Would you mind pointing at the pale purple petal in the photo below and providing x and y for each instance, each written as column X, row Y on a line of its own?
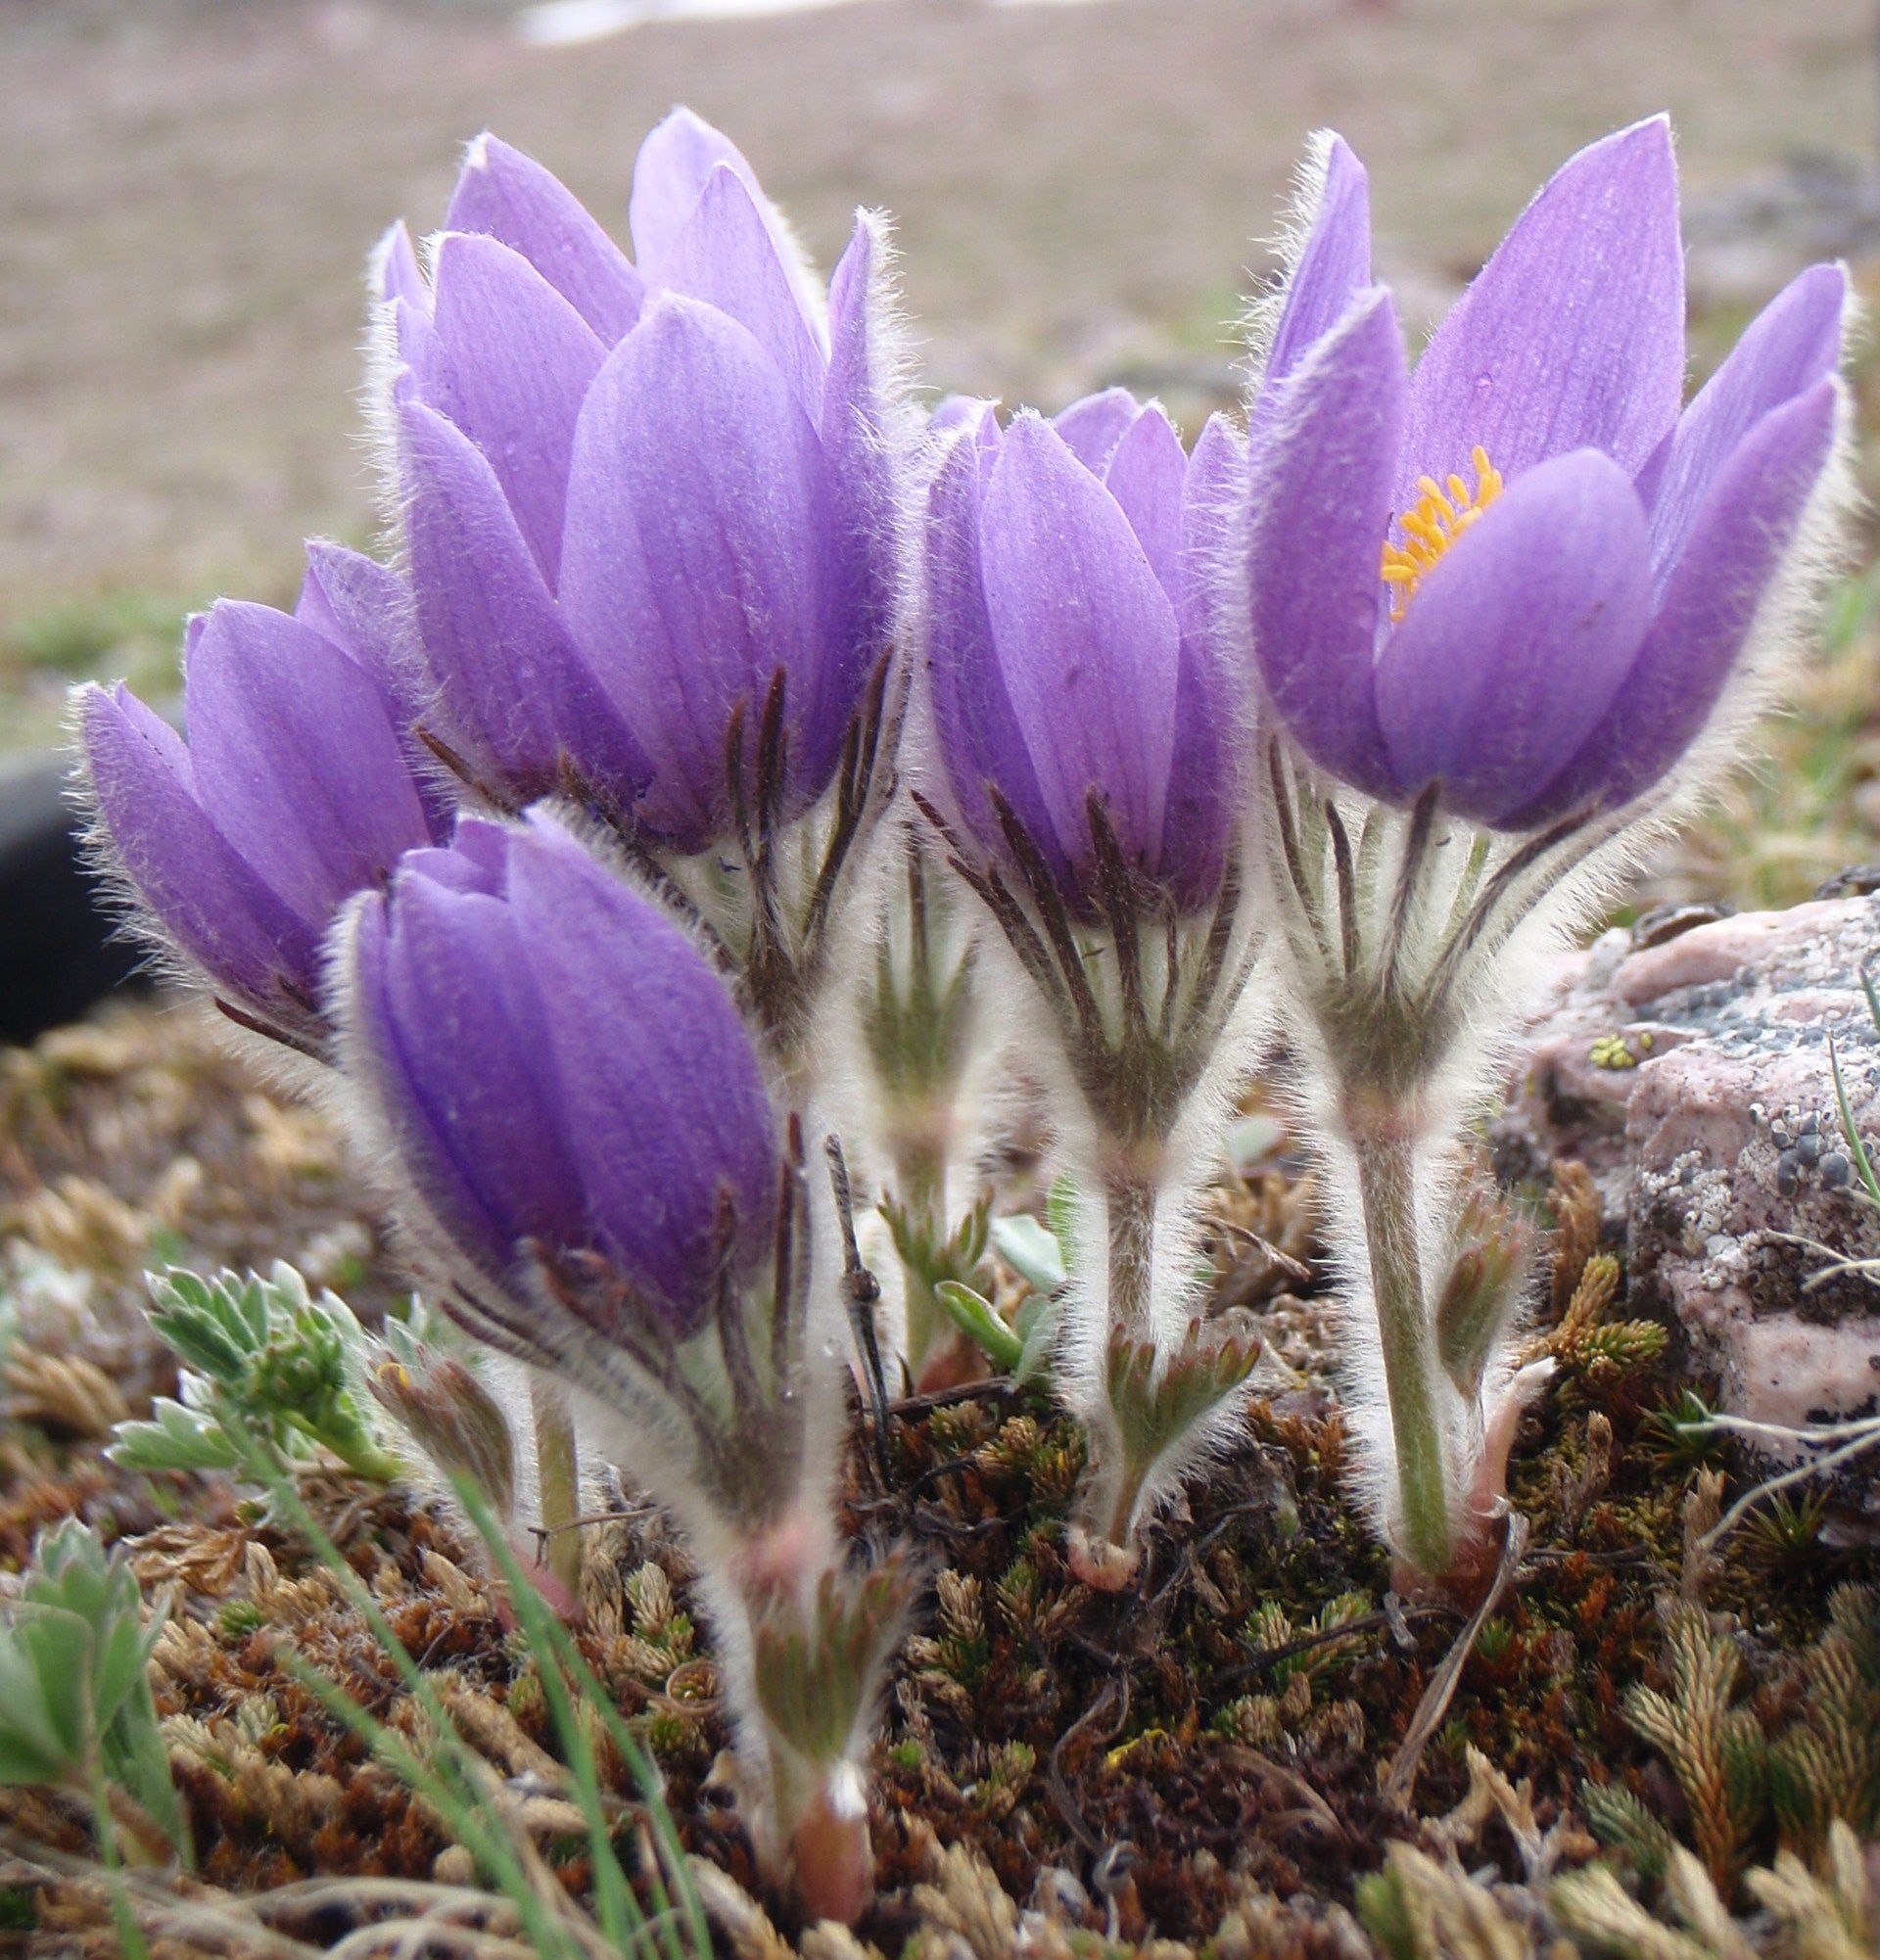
column 211, row 901
column 1735, row 552
column 507, row 196
column 1144, row 475
column 1791, row 344
column 724, row 256
column 427, row 373
column 1087, row 638
column 693, row 567
column 670, row 176
column 513, row 694
column 521, row 361
column 295, row 760
column 454, row 1035
column 863, row 475
column 661, row 1094
column 1215, row 514
column 955, row 411
column 1572, row 337
column 1333, row 265
column 1515, row 646
column 365, row 608
column 1093, row 426
column 395, row 271
column 1211, row 702
column 1321, row 508
column 975, row 725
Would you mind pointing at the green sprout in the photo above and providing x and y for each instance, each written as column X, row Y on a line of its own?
column 262, row 1358
column 1040, row 1255
column 75, row 1707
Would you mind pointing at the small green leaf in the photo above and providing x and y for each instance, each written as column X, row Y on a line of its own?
column 975, row 1315
column 1031, row 1252
column 177, row 1438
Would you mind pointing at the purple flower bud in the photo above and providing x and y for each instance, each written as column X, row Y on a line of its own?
column 1076, row 662
column 1521, row 574
column 634, row 496
column 295, row 790
column 564, row 1083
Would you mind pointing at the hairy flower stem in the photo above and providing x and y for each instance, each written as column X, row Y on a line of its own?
column 1129, row 1204
column 1387, row 1193
column 802, row 1639
column 921, row 1186
column 1405, row 935
column 558, row 1485
column 1103, row 1552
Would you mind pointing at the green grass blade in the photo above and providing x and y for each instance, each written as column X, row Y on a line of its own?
column 495, row 1854
column 1856, row 1144
column 449, row 1793
column 622, row 1922
column 554, row 1641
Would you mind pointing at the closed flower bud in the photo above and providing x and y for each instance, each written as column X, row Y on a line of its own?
column 1086, row 694
column 1079, row 678
column 295, row 787
column 582, row 1144
column 653, row 515
column 565, row 1083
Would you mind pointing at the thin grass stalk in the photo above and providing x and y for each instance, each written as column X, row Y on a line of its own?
column 557, row 1482
column 494, row 1853
column 546, row 1633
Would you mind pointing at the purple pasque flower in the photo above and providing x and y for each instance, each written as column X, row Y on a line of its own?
column 1525, row 573
column 295, row 787
column 563, row 1082
column 639, row 498
column 1081, row 678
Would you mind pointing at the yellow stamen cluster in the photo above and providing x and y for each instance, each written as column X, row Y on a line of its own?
column 1433, row 524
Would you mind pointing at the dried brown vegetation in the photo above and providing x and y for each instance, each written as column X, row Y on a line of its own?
column 1207, row 1752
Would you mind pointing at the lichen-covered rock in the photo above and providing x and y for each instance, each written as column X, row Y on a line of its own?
column 1686, row 1063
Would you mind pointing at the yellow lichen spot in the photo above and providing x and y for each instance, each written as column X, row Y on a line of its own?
column 1433, row 524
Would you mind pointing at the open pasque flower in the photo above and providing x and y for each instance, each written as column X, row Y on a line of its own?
column 589, row 1165
column 1506, row 607
column 295, row 787
column 652, row 512
column 1085, row 701
column 1524, row 574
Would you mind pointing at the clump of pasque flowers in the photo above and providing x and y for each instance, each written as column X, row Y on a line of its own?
column 719, row 776
column 534, row 849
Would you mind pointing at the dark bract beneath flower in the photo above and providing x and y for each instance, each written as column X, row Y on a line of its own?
column 561, row 1078
column 1521, row 573
column 633, row 493
column 1076, row 654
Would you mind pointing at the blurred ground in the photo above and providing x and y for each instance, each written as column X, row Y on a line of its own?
column 187, row 192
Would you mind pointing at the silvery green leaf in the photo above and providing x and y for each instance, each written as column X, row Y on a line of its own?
column 176, row 1438
column 1031, row 1252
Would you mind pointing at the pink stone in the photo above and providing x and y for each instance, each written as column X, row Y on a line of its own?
column 1718, row 1144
